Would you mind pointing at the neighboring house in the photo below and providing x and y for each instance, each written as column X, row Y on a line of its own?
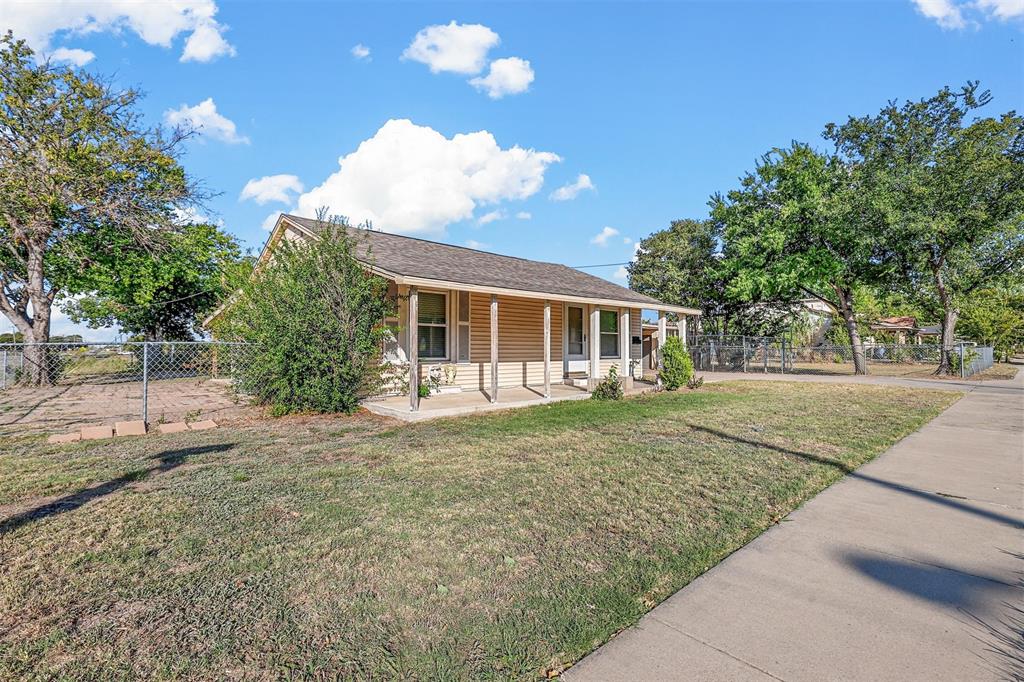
column 502, row 321
column 905, row 326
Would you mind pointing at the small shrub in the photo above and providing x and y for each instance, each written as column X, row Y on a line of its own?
column 423, row 390
column 677, row 365
column 610, row 388
column 695, row 383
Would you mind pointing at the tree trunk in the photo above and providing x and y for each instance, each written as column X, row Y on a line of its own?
column 845, row 299
column 949, row 317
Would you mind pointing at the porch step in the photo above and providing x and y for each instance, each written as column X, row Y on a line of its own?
column 578, row 382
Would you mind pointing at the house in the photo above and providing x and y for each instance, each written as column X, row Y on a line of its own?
column 496, row 322
column 903, row 326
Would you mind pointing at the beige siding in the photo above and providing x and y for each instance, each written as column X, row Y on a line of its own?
column 520, row 343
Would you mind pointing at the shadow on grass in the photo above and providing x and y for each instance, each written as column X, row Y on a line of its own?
column 169, row 459
column 935, row 498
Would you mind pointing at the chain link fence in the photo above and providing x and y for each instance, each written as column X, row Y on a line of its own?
column 52, row 386
column 768, row 354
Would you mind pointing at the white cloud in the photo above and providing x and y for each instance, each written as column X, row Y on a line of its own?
column 205, row 120
column 571, row 190
column 602, row 237
column 72, row 55
column 271, row 188
column 627, row 241
column 157, row 23
column 508, row 76
column 523, row 215
column 491, row 217
column 950, row 14
column 271, row 220
column 1003, row 10
column 412, row 179
column 945, row 13
column 361, row 51
column 206, row 44
column 621, row 273
column 459, row 48
column 474, row 244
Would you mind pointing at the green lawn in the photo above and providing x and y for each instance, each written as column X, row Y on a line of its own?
column 500, row 546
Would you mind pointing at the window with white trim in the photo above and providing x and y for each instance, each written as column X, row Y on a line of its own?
column 463, row 331
column 609, row 334
column 432, row 325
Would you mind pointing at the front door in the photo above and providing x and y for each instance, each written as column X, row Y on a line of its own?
column 575, row 339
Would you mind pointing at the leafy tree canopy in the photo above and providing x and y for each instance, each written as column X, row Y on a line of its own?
column 163, row 295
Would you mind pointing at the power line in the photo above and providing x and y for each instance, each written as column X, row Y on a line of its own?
column 599, row 265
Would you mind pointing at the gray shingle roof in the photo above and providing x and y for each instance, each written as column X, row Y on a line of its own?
column 412, row 257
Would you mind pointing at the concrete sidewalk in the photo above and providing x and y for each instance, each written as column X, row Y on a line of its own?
column 879, row 577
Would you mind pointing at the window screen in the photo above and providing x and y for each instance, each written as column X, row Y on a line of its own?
column 609, row 334
column 432, row 329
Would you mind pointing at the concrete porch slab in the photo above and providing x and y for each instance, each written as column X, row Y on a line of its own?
column 468, row 402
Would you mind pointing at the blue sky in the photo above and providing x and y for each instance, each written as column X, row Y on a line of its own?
column 659, row 105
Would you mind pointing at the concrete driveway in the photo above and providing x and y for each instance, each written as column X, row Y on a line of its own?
column 902, row 570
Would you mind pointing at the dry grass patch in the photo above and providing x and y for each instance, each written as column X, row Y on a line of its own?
column 497, row 546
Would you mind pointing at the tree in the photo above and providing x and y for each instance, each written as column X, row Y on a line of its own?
column 162, row 298
column 995, row 317
column 951, row 194
column 75, row 162
column 682, row 264
column 794, row 229
column 314, row 319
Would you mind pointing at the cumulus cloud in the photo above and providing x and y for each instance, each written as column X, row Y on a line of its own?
column 458, row 48
column 953, row 15
column 602, row 237
column 157, row 23
column 72, row 55
column 412, row 179
column 272, row 188
column 205, row 119
column 570, row 191
column 523, row 215
column 474, row 244
column 622, row 273
column 508, row 76
column 270, row 221
column 491, row 217
column 361, row 52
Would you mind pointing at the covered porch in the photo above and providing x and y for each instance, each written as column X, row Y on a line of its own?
column 468, row 402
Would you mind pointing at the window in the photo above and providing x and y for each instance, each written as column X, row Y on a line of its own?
column 463, row 337
column 609, row 334
column 432, row 326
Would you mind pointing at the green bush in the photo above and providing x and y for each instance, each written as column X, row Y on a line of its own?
column 610, row 388
column 313, row 316
column 677, row 365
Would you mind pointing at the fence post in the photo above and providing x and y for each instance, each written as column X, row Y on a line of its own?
column 782, row 355
column 4, row 371
column 962, row 368
column 764, row 345
column 145, row 381
column 744, row 354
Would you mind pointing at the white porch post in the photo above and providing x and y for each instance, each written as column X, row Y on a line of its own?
column 662, row 335
column 681, row 326
column 627, row 376
column 624, row 347
column 595, row 347
column 494, row 348
column 547, row 349
column 414, row 350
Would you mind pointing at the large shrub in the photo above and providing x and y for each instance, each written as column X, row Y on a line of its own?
column 677, row 366
column 313, row 316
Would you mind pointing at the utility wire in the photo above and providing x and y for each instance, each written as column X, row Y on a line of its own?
column 599, row 265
